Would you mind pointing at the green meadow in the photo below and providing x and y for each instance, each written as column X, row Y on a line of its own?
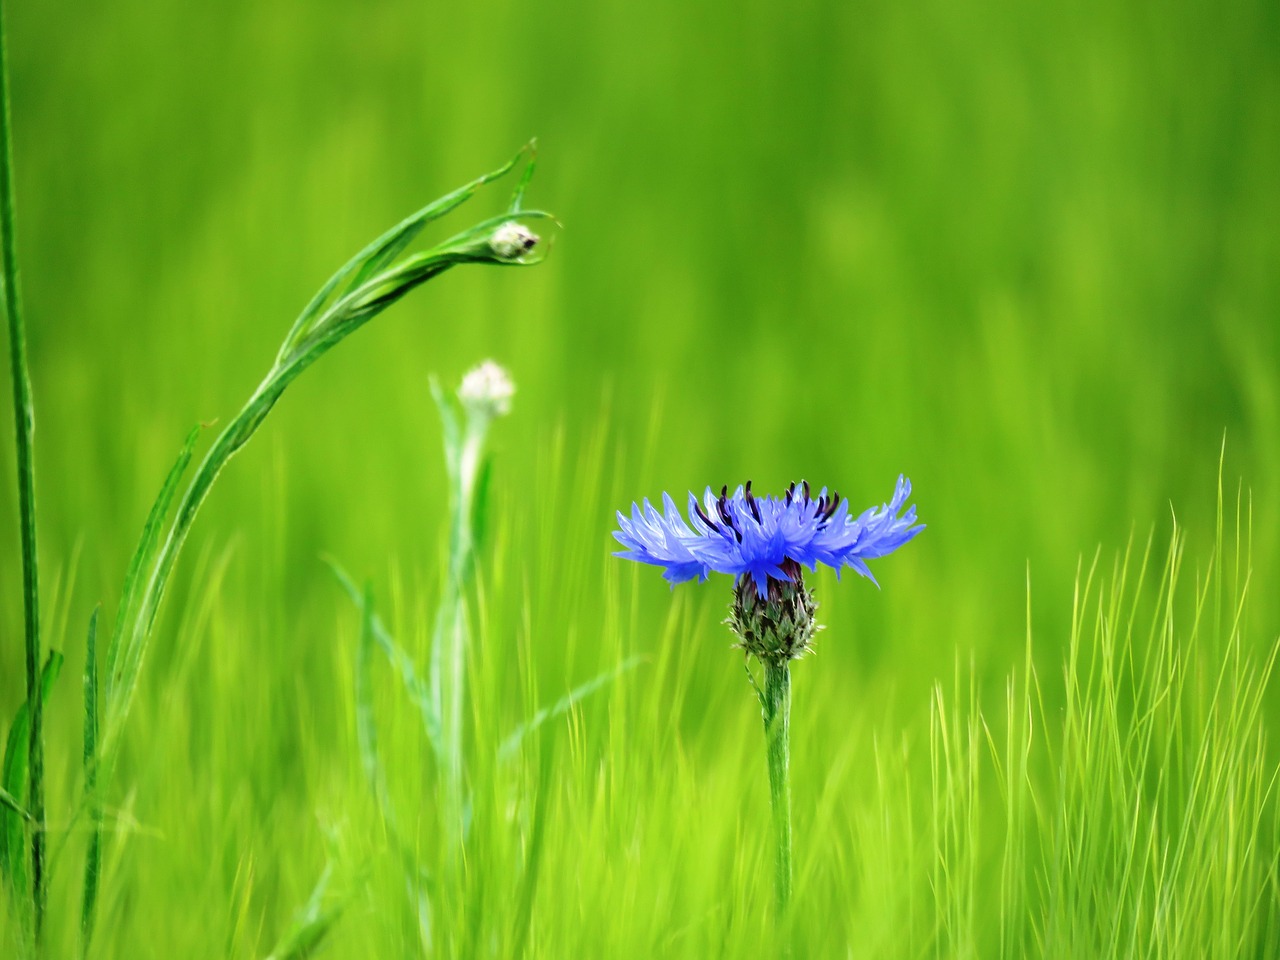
column 1025, row 254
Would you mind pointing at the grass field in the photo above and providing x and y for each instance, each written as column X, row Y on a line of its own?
column 1025, row 255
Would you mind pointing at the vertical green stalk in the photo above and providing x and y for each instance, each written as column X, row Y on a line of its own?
column 460, row 559
column 776, row 701
column 484, row 395
column 24, row 422
column 93, row 856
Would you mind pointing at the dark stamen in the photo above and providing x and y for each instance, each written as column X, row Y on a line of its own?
column 722, row 507
column 697, row 508
column 831, row 509
column 751, row 502
column 806, row 491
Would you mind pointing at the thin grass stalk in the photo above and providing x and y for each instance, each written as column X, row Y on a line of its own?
column 776, row 701
column 93, row 854
column 24, row 426
column 464, row 443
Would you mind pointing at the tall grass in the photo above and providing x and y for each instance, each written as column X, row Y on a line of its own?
column 23, row 829
column 1129, row 807
column 1116, row 800
column 377, row 277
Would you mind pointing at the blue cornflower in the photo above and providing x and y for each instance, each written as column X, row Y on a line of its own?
column 765, row 543
column 765, row 538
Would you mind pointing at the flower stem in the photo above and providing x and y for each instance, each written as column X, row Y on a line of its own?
column 24, row 421
column 776, row 701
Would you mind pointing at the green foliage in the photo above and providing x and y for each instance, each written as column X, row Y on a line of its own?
column 1024, row 253
column 14, row 819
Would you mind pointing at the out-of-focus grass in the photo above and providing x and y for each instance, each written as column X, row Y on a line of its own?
column 1121, row 802
column 1024, row 254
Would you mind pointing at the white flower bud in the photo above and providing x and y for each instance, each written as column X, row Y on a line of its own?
column 487, row 389
column 512, row 240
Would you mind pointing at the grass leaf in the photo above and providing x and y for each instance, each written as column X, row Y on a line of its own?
column 13, row 863
column 400, row 660
column 93, row 855
column 562, row 706
column 312, row 922
column 366, row 730
column 11, row 802
column 383, row 251
column 143, row 556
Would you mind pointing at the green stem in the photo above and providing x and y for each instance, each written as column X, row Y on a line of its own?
column 466, row 459
column 776, row 701
column 24, row 422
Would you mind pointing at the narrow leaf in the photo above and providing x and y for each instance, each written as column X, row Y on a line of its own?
column 400, row 660
column 452, row 429
column 93, row 856
column 11, row 802
column 13, row 861
column 312, row 923
column 517, row 200
column 533, row 858
column 562, row 706
column 384, row 250
column 366, row 732
column 143, row 556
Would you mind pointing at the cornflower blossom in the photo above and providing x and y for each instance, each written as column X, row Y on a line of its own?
column 767, row 539
column 766, row 543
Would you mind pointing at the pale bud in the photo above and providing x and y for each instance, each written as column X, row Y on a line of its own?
column 512, row 240
column 487, row 389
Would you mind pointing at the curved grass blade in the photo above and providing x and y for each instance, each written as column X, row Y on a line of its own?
column 14, row 782
column 143, row 555
column 384, row 250
column 562, row 706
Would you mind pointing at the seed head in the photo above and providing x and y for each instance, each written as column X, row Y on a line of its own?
column 487, row 390
column 512, row 240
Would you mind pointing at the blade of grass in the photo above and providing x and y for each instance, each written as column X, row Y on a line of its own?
column 381, row 252
column 11, row 802
column 533, row 859
column 143, row 555
column 24, row 429
column 93, row 857
column 400, row 660
column 15, row 782
column 366, row 729
column 311, row 924
column 562, row 706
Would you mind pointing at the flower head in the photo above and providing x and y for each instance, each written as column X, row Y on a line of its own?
column 765, row 538
column 487, row 389
column 512, row 240
column 764, row 543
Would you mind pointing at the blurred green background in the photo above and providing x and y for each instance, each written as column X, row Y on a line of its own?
column 1024, row 253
